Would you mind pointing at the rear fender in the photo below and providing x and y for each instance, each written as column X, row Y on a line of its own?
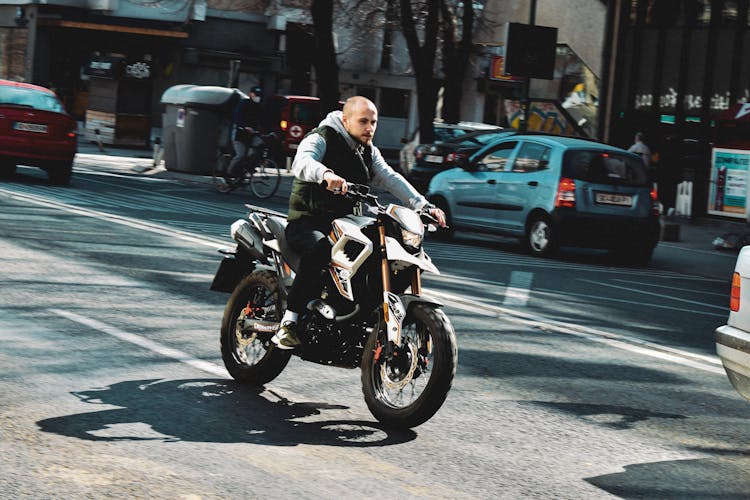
column 233, row 267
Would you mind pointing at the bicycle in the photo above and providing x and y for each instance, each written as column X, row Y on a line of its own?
column 259, row 170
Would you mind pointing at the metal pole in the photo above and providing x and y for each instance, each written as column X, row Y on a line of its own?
column 527, row 79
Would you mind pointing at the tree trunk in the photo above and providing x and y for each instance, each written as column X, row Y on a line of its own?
column 455, row 58
column 423, row 61
column 326, row 67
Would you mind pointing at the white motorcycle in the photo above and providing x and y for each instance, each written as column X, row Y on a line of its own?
column 403, row 342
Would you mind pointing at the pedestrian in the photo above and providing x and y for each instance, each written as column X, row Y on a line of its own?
column 339, row 151
column 640, row 148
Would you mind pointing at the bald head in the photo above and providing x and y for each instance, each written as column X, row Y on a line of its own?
column 360, row 117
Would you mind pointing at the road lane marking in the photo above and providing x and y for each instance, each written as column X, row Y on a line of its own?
column 119, row 219
column 634, row 345
column 668, row 287
column 660, row 295
column 150, row 345
column 710, row 364
column 517, row 291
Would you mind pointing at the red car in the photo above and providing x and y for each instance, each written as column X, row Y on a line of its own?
column 35, row 130
column 294, row 116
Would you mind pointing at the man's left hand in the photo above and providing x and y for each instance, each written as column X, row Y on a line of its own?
column 439, row 215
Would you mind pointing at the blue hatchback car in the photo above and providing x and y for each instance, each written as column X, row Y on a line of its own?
column 553, row 191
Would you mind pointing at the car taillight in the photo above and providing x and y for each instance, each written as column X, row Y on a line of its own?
column 654, row 202
column 283, row 124
column 566, row 193
column 454, row 157
column 734, row 297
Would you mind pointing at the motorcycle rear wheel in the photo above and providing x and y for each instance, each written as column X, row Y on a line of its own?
column 251, row 358
column 409, row 389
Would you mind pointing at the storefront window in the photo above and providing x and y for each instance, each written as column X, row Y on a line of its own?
column 394, row 102
column 729, row 12
column 703, row 14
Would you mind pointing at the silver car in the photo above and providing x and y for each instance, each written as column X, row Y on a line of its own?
column 733, row 339
column 553, row 191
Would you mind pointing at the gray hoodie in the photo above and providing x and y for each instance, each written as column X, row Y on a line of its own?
column 307, row 164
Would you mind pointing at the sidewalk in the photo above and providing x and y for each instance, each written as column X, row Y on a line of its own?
column 694, row 233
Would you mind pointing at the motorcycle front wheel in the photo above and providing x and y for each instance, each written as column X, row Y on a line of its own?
column 251, row 358
column 407, row 389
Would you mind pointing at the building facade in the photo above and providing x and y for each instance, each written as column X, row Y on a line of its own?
column 674, row 70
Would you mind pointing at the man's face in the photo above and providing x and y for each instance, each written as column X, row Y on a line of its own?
column 361, row 122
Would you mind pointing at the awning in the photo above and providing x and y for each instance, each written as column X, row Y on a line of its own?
column 136, row 30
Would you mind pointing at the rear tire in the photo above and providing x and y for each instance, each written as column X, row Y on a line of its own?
column 540, row 239
column 252, row 359
column 265, row 179
column 7, row 169
column 429, row 333
column 60, row 174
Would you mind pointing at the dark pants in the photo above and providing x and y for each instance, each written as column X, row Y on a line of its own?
column 307, row 236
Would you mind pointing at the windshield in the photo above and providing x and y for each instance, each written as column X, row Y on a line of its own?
column 605, row 167
column 305, row 112
column 31, row 98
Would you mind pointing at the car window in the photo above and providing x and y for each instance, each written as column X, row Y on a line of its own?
column 305, row 112
column 531, row 157
column 605, row 167
column 31, row 98
column 446, row 134
column 495, row 160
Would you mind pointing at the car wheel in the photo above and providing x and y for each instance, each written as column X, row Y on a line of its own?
column 60, row 174
column 540, row 239
column 444, row 233
column 7, row 169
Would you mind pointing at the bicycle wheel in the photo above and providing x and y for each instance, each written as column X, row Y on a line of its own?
column 221, row 183
column 265, row 179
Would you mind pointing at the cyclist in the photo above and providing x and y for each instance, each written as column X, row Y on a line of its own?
column 246, row 121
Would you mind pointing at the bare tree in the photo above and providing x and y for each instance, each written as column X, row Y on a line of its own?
column 326, row 67
column 456, row 54
column 423, row 60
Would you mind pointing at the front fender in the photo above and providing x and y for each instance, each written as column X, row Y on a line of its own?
column 409, row 300
column 395, row 252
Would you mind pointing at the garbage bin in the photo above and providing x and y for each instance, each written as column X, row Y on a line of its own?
column 194, row 119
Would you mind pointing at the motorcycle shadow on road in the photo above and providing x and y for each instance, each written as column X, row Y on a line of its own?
column 213, row 411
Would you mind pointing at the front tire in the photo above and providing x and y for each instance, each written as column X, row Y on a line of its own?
column 406, row 391
column 251, row 358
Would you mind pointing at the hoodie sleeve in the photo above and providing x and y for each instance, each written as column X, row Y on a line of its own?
column 307, row 165
column 387, row 179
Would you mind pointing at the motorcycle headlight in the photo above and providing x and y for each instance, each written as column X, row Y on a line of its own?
column 414, row 240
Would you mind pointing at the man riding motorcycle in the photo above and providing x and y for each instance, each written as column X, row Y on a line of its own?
column 340, row 149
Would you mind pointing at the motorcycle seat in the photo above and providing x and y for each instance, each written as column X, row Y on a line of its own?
column 277, row 226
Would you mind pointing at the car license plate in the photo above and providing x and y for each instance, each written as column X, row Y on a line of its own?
column 434, row 158
column 614, row 199
column 30, row 127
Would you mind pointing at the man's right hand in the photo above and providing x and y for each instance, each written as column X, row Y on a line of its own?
column 334, row 183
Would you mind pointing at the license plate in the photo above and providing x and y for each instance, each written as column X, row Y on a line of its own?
column 614, row 199
column 30, row 127
column 433, row 158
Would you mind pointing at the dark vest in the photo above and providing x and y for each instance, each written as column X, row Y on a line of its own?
column 311, row 199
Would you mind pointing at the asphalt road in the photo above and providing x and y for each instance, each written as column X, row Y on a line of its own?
column 577, row 378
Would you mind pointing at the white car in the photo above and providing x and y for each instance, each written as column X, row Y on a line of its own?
column 733, row 339
column 443, row 132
